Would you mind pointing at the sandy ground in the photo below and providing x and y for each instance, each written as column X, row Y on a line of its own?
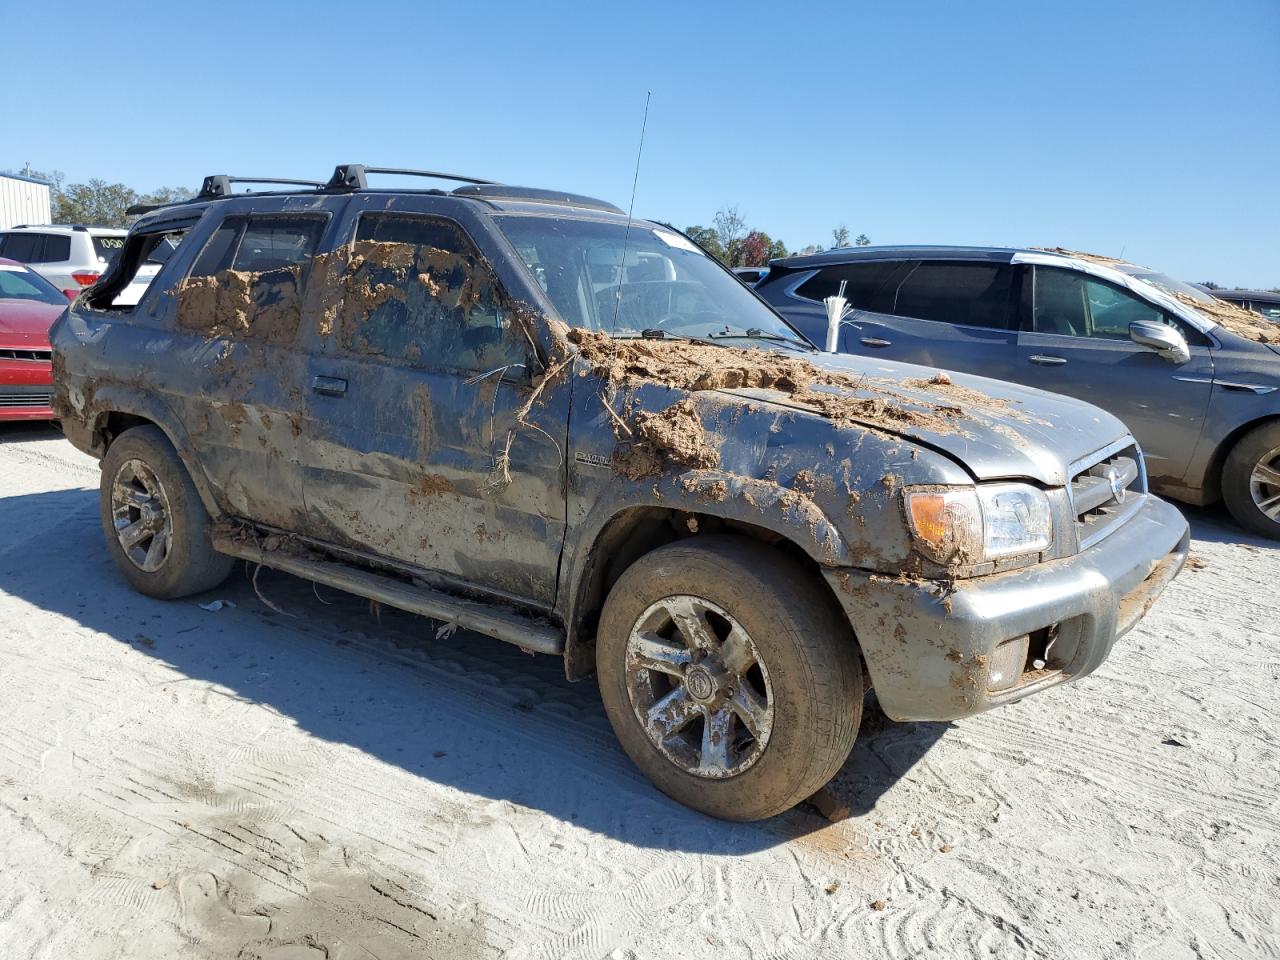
column 244, row 783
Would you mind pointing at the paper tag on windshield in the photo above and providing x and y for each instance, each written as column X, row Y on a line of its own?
column 677, row 241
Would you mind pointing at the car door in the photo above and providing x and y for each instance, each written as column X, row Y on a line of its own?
column 957, row 315
column 237, row 357
column 1077, row 343
column 414, row 449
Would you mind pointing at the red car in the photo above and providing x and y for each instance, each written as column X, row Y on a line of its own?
column 28, row 306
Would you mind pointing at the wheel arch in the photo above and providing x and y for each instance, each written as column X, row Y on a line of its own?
column 632, row 532
column 112, row 410
column 1213, row 474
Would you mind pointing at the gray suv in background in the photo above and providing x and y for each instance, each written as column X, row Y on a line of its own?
column 1196, row 379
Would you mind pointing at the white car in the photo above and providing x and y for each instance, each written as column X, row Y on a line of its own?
column 72, row 257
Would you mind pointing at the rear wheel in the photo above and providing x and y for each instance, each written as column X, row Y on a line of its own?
column 728, row 676
column 157, row 529
column 1251, row 481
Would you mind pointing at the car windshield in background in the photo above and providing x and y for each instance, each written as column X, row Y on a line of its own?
column 107, row 248
column 642, row 280
column 17, row 283
column 1167, row 284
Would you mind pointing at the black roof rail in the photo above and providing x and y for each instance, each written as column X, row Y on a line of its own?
column 352, row 176
column 499, row 191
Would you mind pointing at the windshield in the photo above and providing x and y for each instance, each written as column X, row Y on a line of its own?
column 663, row 285
column 19, row 283
column 1165, row 283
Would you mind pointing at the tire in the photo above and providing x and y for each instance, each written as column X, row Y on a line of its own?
column 185, row 562
column 1255, row 459
column 808, row 670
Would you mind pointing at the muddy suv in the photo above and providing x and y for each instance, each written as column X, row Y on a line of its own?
column 523, row 413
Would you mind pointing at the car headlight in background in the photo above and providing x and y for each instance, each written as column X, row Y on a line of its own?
column 987, row 522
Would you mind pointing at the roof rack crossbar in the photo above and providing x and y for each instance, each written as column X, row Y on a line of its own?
column 352, row 176
column 219, row 185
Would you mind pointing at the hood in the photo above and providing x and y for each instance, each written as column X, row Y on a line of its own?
column 1029, row 434
column 26, row 323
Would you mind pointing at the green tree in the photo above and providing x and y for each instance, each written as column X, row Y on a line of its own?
column 96, row 202
column 166, row 195
column 707, row 238
column 777, row 250
column 862, row 240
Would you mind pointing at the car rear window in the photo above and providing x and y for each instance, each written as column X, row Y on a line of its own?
column 107, row 248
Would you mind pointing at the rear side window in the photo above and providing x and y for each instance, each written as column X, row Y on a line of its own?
column 107, row 248
column 247, row 282
column 24, row 247
column 417, row 290
column 259, row 244
column 866, row 284
column 968, row 294
column 56, row 248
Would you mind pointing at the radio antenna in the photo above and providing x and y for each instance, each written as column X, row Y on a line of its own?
column 626, row 236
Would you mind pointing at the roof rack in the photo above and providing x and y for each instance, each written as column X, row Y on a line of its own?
column 352, row 176
column 219, row 185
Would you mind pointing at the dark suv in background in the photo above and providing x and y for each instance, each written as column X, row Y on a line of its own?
column 1196, row 379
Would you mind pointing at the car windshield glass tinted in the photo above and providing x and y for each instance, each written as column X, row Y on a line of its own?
column 663, row 281
column 17, row 283
column 1166, row 284
column 107, row 248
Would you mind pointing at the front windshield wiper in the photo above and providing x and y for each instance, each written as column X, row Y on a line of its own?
column 755, row 333
column 657, row 333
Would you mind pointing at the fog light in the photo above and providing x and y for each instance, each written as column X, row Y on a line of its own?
column 1006, row 663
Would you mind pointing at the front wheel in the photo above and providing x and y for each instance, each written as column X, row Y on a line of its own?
column 1251, row 481
column 728, row 676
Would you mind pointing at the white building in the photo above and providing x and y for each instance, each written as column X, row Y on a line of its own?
column 24, row 200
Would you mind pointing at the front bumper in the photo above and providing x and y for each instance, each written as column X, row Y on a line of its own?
column 939, row 651
column 26, row 390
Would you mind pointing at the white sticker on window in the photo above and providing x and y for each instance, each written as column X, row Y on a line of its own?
column 677, row 241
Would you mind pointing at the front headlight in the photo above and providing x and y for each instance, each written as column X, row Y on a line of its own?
column 987, row 522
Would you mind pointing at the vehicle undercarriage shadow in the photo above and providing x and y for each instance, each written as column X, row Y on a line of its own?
column 1215, row 525
column 460, row 709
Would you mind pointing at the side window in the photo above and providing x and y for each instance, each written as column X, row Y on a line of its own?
column 247, row 281
column 865, row 283
column 56, row 248
column 418, row 290
column 1077, row 305
column 969, row 294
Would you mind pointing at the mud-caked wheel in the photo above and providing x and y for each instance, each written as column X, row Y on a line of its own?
column 1251, row 481
column 729, row 677
column 156, row 528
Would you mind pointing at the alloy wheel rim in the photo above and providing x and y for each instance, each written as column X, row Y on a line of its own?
column 699, row 687
column 141, row 517
column 1264, row 485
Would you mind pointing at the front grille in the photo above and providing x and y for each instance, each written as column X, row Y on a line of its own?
column 1107, row 492
column 34, row 355
column 10, row 399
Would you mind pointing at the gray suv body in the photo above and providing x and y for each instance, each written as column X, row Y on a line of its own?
column 1196, row 380
column 523, row 413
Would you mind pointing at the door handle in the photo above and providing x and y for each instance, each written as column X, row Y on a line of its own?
column 1048, row 361
column 329, row 386
column 876, row 342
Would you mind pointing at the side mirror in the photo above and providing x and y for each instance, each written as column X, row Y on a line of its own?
column 1164, row 340
column 71, row 294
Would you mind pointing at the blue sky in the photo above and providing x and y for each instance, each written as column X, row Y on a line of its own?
column 1148, row 127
